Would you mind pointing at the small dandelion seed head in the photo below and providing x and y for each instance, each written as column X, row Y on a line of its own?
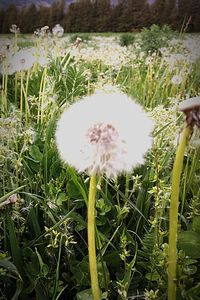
column 176, row 79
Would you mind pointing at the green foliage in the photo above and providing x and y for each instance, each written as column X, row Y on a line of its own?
column 155, row 37
column 43, row 202
column 126, row 39
column 189, row 241
column 70, row 81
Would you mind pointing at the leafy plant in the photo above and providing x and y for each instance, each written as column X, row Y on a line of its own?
column 155, row 37
column 126, row 39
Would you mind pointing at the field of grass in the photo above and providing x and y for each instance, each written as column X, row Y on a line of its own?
column 44, row 200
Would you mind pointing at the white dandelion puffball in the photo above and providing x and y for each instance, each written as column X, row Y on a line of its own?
column 58, row 30
column 106, row 133
column 176, row 79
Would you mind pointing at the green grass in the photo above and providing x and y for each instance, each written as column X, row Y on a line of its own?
column 43, row 251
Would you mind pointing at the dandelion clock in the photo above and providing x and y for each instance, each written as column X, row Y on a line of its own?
column 108, row 134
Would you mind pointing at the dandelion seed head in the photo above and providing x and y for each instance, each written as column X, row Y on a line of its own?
column 58, row 30
column 176, row 79
column 14, row 28
column 106, row 133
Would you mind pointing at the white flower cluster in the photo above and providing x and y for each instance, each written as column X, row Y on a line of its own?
column 57, row 30
column 22, row 60
column 104, row 49
column 106, row 133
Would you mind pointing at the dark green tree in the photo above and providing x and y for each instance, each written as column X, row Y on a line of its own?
column 28, row 18
column 195, row 16
column 43, row 16
column 158, row 9
column 11, row 16
column 56, row 13
column 2, row 14
column 101, row 15
column 117, row 23
column 184, row 14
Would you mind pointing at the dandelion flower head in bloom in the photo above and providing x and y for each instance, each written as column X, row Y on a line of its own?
column 105, row 133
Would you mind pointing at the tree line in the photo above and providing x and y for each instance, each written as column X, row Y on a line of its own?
column 102, row 16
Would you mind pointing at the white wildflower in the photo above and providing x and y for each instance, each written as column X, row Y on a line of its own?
column 176, row 79
column 23, row 60
column 44, row 30
column 14, row 28
column 106, row 133
column 58, row 30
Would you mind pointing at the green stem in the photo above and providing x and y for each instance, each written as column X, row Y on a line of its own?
column 91, row 239
column 173, row 212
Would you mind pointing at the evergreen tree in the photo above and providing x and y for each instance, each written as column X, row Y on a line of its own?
column 184, row 13
column 159, row 12
column 28, row 18
column 2, row 14
column 56, row 13
column 43, row 16
column 171, row 14
column 10, row 17
column 134, row 14
column 195, row 15
column 101, row 15
column 116, row 22
column 84, row 15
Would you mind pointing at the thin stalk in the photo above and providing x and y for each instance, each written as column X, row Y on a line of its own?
column 27, row 110
column 43, row 95
column 173, row 212
column 91, row 239
column 5, row 89
column 127, row 185
column 16, row 88
column 21, row 93
column 40, row 114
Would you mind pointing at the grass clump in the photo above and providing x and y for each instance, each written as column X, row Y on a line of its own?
column 126, row 39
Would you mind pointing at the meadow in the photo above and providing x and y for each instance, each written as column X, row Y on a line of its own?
column 43, row 200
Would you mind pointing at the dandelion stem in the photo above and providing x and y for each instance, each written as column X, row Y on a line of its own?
column 173, row 213
column 91, row 239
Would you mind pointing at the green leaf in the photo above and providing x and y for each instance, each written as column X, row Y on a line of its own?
column 14, row 245
column 196, row 224
column 44, row 269
column 189, row 242
column 35, row 153
column 152, row 276
column 62, row 197
column 6, row 264
column 84, row 295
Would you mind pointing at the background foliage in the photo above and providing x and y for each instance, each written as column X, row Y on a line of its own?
column 101, row 16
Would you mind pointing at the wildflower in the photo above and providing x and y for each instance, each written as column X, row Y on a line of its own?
column 106, row 133
column 37, row 32
column 44, row 30
column 149, row 60
column 14, row 28
column 176, row 79
column 77, row 42
column 191, row 108
column 7, row 68
column 58, row 30
column 22, row 60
